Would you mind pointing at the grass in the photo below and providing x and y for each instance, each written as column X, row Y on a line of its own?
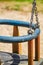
column 41, row 1
column 18, row 0
column 21, row 5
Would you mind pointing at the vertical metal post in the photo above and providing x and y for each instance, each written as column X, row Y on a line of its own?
column 37, row 48
column 17, row 46
column 30, row 52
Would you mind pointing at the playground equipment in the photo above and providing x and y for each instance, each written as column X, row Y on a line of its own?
column 33, row 33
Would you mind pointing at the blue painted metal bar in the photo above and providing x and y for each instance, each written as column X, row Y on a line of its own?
column 16, row 23
column 25, row 38
column 20, row 38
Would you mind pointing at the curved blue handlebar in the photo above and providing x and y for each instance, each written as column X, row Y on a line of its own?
column 16, row 23
column 18, row 38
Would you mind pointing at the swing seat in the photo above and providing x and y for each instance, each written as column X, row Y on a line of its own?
column 19, row 38
column 12, row 58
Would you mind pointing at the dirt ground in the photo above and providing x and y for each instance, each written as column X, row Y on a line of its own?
column 8, row 30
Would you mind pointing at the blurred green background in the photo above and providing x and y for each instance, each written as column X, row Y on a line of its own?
column 41, row 1
column 21, row 5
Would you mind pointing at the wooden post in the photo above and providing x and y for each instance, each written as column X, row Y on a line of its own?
column 17, row 46
column 37, row 48
column 30, row 52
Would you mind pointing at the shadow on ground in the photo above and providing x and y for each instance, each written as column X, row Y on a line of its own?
column 12, row 58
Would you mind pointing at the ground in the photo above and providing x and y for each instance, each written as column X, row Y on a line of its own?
column 8, row 30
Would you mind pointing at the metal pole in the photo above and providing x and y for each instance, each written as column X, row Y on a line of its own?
column 30, row 52
column 37, row 48
column 16, row 47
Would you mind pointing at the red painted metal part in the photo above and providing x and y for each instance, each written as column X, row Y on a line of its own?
column 30, row 52
column 37, row 48
column 16, row 48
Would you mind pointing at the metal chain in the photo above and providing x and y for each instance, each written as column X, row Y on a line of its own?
column 34, row 11
column 36, row 14
column 32, row 14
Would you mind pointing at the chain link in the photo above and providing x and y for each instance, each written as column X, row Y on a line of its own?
column 32, row 14
column 36, row 14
